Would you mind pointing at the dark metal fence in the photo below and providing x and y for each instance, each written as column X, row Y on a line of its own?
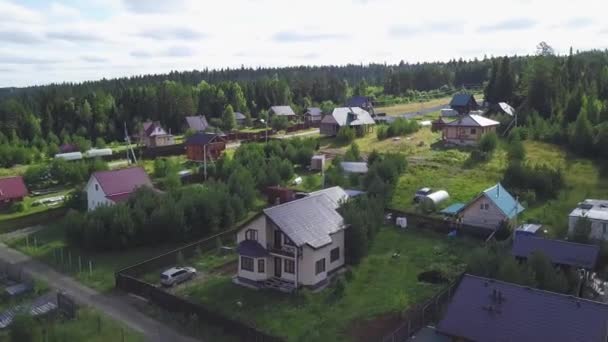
column 420, row 315
column 128, row 281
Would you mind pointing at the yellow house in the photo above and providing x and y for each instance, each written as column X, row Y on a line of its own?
column 468, row 129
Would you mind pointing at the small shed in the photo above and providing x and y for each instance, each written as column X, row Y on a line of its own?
column 453, row 209
column 317, row 162
column 528, row 229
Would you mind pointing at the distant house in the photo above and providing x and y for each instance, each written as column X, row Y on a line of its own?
column 240, row 118
column 285, row 111
column 279, row 195
column 463, row 103
column 197, row 123
column 68, row 148
column 490, row 208
column 468, row 129
column 12, row 189
column 595, row 211
column 153, row 135
column 292, row 245
column 313, row 114
column 560, row 252
column 489, row 310
column 354, row 167
column 205, row 146
column 362, row 102
column 109, row 187
column 353, row 117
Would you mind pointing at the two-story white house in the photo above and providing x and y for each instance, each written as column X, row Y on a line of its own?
column 109, row 187
column 292, row 245
column 595, row 211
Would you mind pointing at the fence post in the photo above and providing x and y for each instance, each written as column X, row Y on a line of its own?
column 79, row 264
column 90, row 268
column 70, row 260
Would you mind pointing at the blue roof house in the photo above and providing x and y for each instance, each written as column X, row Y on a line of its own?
column 490, row 208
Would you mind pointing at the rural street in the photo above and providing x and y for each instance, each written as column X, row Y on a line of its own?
column 112, row 305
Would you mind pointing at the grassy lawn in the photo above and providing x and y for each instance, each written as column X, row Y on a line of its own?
column 49, row 243
column 380, row 285
column 412, row 106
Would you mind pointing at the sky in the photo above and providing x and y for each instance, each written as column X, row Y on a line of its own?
column 71, row 41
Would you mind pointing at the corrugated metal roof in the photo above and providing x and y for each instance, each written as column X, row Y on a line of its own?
column 197, row 123
column 310, row 220
column 282, row 110
column 521, row 314
column 352, row 116
column 335, row 193
column 314, row 111
column 503, row 200
column 453, row 209
column 12, row 187
column 473, row 120
column 354, row 167
column 462, row 99
column 201, row 138
column 558, row 251
column 122, row 181
column 592, row 209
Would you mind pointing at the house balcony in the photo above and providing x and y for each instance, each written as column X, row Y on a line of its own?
column 283, row 250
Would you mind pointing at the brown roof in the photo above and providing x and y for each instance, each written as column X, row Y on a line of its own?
column 12, row 188
column 116, row 183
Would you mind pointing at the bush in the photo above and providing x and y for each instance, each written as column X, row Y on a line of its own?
column 399, row 127
column 346, row 135
column 17, row 207
column 24, row 329
column 488, row 142
column 279, row 123
column 543, row 180
column 582, row 230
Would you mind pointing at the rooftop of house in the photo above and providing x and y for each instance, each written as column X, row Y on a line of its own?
column 354, row 167
column 529, row 228
column 592, row 209
column 489, row 310
column 558, row 251
column 201, row 138
column 282, row 110
column 116, row 183
column 462, row 99
column 503, row 200
column 153, row 128
column 239, row 116
column 335, row 193
column 358, row 101
column 473, row 120
column 308, row 221
column 197, row 123
column 351, row 116
column 12, row 187
column 314, row 111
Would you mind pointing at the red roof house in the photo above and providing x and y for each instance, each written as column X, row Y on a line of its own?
column 12, row 189
column 109, row 187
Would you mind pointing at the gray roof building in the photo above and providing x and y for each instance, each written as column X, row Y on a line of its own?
column 308, row 221
column 558, row 251
column 352, row 116
column 198, row 123
column 335, row 193
column 282, row 111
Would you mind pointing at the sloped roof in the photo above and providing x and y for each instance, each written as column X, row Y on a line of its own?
column 153, row 128
column 314, row 111
column 354, row 167
column 521, row 314
column 473, row 120
column 12, row 187
column 197, row 123
column 309, row 220
column 251, row 248
column 453, row 209
column 239, row 116
column 462, row 99
column 558, row 251
column 201, row 138
column 123, row 181
column 282, row 110
column 352, row 116
column 335, row 193
column 503, row 200
column 358, row 101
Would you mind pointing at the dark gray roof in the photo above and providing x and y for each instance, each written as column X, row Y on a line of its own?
column 462, row 99
column 310, row 220
column 358, row 101
column 197, row 123
column 239, row 116
column 335, row 193
column 558, row 251
column 282, row 110
column 522, row 314
column 314, row 111
column 201, row 138
column 251, row 248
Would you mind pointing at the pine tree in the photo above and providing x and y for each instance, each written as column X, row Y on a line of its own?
column 581, row 139
column 228, row 118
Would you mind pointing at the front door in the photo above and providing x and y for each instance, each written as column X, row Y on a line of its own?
column 277, row 267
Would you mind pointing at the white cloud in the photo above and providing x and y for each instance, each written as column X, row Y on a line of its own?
column 75, row 41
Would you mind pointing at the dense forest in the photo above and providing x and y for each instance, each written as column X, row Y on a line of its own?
column 562, row 99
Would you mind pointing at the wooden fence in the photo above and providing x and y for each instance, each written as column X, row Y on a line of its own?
column 441, row 225
column 420, row 315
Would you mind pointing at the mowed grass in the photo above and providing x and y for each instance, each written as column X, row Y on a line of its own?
column 381, row 284
column 412, row 106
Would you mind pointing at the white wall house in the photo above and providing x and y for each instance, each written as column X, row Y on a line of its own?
column 595, row 211
column 109, row 187
column 296, row 244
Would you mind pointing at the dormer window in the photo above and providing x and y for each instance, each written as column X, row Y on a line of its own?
column 251, row 234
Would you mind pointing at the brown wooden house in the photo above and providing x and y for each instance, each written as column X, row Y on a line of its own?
column 203, row 146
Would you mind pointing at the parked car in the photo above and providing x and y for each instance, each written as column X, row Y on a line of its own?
column 176, row 275
column 421, row 193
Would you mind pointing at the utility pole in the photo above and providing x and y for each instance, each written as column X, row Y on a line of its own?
column 129, row 148
column 205, row 161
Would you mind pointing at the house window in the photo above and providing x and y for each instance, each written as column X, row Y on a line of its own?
column 251, row 234
column 261, row 266
column 320, row 266
column 473, row 131
column 484, row 206
column 96, row 187
column 247, row 264
column 290, row 266
column 334, row 254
